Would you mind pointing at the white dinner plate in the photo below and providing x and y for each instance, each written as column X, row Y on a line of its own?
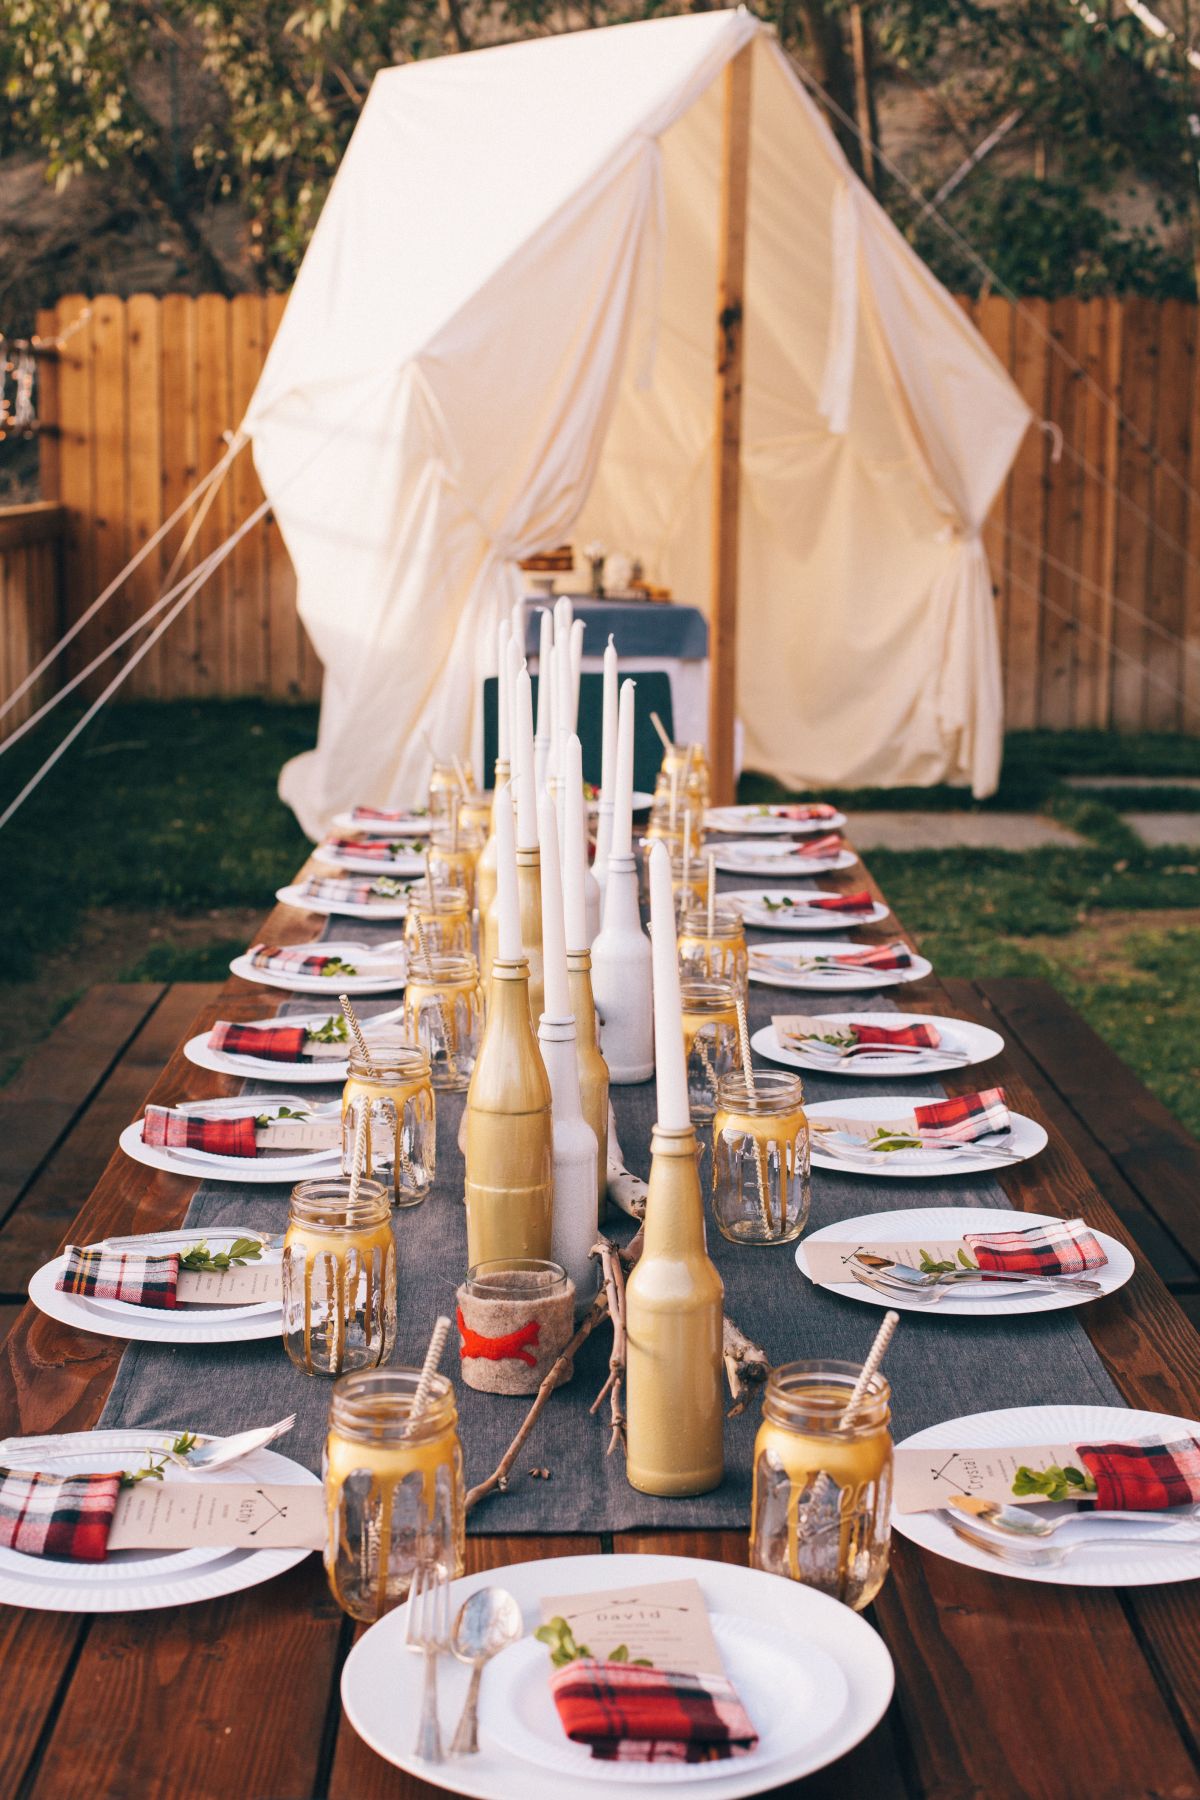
column 152, row 1324
column 412, row 825
column 136, row 1580
column 1135, row 1565
column 973, row 1043
column 398, row 866
column 828, row 981
column 767, row 821
column 333, row 985
column 749, row 856
column 162, row 1243
column 382, row 1685
column 294, row 895
column 1024, row 1139
column 203, row 1165
column 937, row 1224
column 776, row 911
column 259, row 1068
column 517, row 1710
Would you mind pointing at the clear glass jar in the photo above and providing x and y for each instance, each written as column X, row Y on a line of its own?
column 515, row 1317
column 396, row 1093
column 445, row 918
column 475, row 813
column 688, row 894
column 822, row 1504
column 689, row 765
column 443, row 1013
column 452, row 859
column 445, row 791
column 660, row 826
column 716, row 955
column 710, row 1040
column 394, row 1494
column 761, row 1158
column 339, row 1277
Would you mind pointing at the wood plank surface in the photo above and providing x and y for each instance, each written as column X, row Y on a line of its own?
column 1166, row 578
column 110, row 471
column 178, row 649
column 75, row 462
column 1135, row 479
column 1031, row 357
column 1003, row 1687
column 144, row 361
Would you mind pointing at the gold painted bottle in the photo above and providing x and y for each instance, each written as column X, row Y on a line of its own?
column 529, row 891
column 507, row 1130
column 485, row 884
column 675, row 1302
column 822, row 1502
column 393, row 1498
column 593, row 1070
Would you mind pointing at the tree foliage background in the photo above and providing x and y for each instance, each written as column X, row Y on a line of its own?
column 193, row 111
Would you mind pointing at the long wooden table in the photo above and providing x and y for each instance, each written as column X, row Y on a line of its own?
column 1003, row 1687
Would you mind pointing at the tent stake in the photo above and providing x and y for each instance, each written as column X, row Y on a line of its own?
column 731, row 269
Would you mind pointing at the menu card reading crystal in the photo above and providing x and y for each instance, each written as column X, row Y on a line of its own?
column 239, row 1286
column 928, row 1478
column 666, row 1622
column 829, row 1261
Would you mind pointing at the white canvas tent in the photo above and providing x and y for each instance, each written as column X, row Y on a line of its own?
column 502, row 337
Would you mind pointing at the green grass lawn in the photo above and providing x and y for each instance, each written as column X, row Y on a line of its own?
column 166, row 815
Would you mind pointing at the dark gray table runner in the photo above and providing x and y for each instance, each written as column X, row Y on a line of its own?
column 939, row 1367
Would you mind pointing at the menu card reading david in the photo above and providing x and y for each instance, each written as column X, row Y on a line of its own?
column 666, row 1622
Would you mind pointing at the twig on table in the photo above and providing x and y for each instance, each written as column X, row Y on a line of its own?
column 614, row 1290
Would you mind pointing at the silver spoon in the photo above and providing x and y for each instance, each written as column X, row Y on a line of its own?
column 488, row 1620
column 1026, row 1523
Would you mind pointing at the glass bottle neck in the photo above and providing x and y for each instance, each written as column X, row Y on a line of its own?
column 674, row 1203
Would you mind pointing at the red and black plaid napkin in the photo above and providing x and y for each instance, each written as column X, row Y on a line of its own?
column 805, row 809
column 101, row 1274
column 1066, row 1247
column 962, row 1118
column 57, row 1515
column 374, row 849
column 381, row 815
column 828, row 845
column 297, row 961
column 167, row 1129
column 346, row 893
column 919, row 1037
column 629, row 1714
column 862, row 902
column 270, row 1043
column 1147, row 1476
column 876, row 956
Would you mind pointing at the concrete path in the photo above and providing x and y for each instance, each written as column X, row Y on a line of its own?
column 959, row 830
column 1158, row 828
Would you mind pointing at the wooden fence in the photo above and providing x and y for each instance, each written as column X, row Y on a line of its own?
column 31, row 618
column 1094, row 543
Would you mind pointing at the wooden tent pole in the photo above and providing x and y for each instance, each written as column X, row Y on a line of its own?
column 731, row 271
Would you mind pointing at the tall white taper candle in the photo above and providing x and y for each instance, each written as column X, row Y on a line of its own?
column 508, row 905
column 554, row 943
column 527, row 818
column 670, row 1066
column 542, row 737
column 503, row 706
column 622, row 829
column 608, row 764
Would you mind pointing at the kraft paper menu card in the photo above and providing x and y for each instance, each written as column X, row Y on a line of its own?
column 829, row 1261
column 187, row 1515
column 666, row 1622
column 928, row 1478
column 246, row 1285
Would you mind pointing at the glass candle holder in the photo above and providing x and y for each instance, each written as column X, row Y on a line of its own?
column 710, row 1040
column 515, row 1316
column 822, row 1500
column 475, row 812
column 716, row 955
column 443, row 1013
column 445, row 918
column 761, row 1158
column 445, row 791
column 452, row 859
column 396, row 1094
column 339, row 1277
column 394, row 1494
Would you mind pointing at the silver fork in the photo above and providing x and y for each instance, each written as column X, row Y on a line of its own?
column 429, row 1632
column 1053, row 1554
column 904, row 1275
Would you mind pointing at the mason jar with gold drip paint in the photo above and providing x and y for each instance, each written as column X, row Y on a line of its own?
column 445, row 917
column 475, row 813
column 443, row 1013
column 445, row 791
column 395, row 1092
column 394, row 1493
column 710, row 1040
column 339, row 1277
column 453, row 855
column 716, row 955
column 822, row 1500
column 761, row 1158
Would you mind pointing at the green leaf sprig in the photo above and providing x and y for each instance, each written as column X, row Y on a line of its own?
column 335, row 967
column 777, row 905
column 560, row 1639
column 154, row 1471
column 1053, row 1483
column 388, row 888
column 886, row 1140
column 285, row 1112
column 929, row 1266
column 333, row 1031
column 199, row 1260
